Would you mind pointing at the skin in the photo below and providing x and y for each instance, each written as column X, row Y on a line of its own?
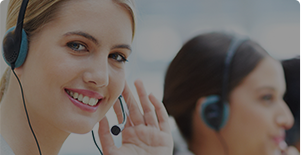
column 84, row 48
column 257, row 115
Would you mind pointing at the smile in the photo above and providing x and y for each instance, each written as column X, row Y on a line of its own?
column 84, row 99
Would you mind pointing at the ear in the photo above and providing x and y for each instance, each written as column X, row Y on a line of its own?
column 199, row 103
column 204, row 103
column 198, row 106
column 198, row 122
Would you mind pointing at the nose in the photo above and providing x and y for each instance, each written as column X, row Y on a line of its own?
column 97, row 73
column 285, row 117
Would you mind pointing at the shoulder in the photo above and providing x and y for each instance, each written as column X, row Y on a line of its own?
column 4, row 147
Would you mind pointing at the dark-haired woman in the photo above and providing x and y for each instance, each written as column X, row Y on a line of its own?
column 226, row 95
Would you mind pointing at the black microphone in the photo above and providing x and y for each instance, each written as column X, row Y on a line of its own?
column 116, row 129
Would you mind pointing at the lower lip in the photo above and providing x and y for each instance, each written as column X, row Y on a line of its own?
column 278, row 140
column 83, row 106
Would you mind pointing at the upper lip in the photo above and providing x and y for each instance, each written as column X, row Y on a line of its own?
column 85, row 92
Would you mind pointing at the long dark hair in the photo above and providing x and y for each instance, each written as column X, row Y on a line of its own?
column 291, row 69
column 197, row 71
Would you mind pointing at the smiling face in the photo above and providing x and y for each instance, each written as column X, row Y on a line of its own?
column 82, row 51
column 258, row 114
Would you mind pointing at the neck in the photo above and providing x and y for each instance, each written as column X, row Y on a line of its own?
column 205, row 140
column 16, row 131
column 212, row 146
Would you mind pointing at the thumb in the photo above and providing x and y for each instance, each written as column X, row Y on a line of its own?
column 105, row 137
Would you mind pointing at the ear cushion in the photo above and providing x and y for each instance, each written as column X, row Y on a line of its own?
column 212, row 114
column 23, row 49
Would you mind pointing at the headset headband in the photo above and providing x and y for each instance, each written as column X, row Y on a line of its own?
column 235, row 43
column 19, row 25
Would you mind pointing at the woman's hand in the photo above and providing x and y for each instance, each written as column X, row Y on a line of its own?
column 290, row 151
column 144, row 134
column 286, row 150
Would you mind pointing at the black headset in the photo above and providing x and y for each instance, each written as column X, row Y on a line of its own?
column 15, row 47
column 15, row 43
column 215, row 110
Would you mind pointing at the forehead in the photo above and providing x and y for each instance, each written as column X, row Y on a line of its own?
column 267, row 74
column 97, row 17
column 84, row 7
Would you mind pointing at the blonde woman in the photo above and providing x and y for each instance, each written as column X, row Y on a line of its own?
column 76, row 47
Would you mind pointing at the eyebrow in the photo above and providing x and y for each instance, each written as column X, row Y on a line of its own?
column 271, row 89
column 266, row 87
column 122, row 46
column 90, row 37
column 83, row 34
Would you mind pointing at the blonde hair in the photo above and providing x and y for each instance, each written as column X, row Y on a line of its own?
column 38, row 13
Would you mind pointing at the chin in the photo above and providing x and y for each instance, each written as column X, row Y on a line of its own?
column 81, row 130
column 270, row 151
column 79, row 127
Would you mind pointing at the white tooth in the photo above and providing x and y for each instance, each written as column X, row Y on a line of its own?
column 71, row 93
column 68, row 92
column 92, row 101
column 86, row 100
column 75, row 95
column 96, row 100
column 80, row 97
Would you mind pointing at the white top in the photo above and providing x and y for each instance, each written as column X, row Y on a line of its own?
column 4, row 147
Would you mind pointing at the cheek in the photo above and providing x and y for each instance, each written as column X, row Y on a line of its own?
column 116, row 82
column 48, row 63
column 45, row 71
column 249, row 118
column 114, row 89
column 249, row 125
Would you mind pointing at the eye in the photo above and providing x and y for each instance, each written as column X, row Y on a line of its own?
column 118, row 57
column 267, row 97
column 75, row 46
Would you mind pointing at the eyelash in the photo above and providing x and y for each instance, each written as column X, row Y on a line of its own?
column 72, row 44
column 267, row 98
column 116, row 55
column 75, row 47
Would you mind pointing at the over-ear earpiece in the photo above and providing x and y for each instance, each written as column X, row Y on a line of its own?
column 212, row 114
column 116, row 129
column 15, row 48
column 15, row 43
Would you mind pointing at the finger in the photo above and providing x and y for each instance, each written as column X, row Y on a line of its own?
column 105, row 137
column 134, row 112
column 292, row 151
column 117, row 109
column 150, row 117
column 161, row 113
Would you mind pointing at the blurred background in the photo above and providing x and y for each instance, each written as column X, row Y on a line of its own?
column 163, row 26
